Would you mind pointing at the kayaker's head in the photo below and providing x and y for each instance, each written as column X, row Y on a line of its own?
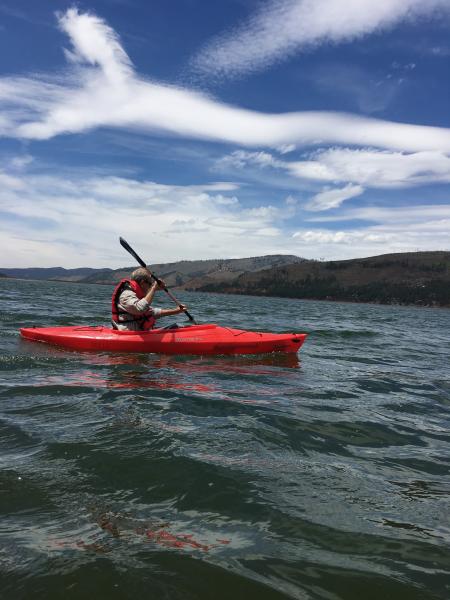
column 142, row 277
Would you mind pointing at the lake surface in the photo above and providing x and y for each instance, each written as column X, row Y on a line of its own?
column 143, row 476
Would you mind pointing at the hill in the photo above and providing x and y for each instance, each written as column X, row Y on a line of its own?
column 51, row 274
column 421, row 278
column 178, row 274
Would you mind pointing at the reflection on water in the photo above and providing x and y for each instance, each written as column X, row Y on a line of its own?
column 167, row 372
column 129, row 530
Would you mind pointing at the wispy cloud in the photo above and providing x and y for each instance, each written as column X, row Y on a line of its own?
column 368, row 90
column 281, row 28
column 359, row 169
column 103, row 90
column 23, row 15
column 330, row 198
column 374, row 168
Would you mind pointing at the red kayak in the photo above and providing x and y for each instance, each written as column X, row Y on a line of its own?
column 194, row 339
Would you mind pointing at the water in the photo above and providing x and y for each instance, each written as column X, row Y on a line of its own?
column 143, row 476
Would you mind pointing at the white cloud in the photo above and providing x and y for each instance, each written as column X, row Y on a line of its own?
column 396, row 232
column 103, row 90
column 281, row 28
column 76, row 221
column 96, row 43
column 393, row 229
column 240, row 159
column 17, row 162
column 364, row 167
column 286, row 148
column 330, row 198
column 339, row 237
column 374, row 168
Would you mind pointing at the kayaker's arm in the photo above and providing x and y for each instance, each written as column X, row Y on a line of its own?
column 132, row 305
column 163, row 312
column 167, row 312
column 151, row 292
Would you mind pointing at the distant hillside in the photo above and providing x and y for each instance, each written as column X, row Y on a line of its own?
column 421, row 278
column 178, row 274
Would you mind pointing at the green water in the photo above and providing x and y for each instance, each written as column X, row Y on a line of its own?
column 143, row 476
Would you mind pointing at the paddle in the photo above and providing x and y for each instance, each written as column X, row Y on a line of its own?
column 129, row 249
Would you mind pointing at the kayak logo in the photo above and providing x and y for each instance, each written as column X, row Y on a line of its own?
column 186, row 339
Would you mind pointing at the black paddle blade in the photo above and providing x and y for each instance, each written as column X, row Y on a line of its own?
column 129, row 249
column 189, row 316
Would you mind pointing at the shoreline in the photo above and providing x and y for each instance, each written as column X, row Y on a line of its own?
column 330, row 300
column 181, row 289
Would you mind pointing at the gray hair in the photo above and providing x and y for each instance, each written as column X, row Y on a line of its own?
column 141, row 275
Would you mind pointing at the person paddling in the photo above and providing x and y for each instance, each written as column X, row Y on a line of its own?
column 131, row 302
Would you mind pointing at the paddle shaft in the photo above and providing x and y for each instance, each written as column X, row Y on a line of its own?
column 129, row 249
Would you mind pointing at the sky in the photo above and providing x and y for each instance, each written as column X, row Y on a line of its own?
column 200, row 129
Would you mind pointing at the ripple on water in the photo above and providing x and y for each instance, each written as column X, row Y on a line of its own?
column 319, row 476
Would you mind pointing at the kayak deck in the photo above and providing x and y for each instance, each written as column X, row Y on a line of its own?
column 194, row 339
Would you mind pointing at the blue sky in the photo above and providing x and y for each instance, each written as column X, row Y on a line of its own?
column 201, row 129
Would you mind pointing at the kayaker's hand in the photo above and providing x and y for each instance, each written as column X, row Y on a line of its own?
column 182, row 307
column 161, row 285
